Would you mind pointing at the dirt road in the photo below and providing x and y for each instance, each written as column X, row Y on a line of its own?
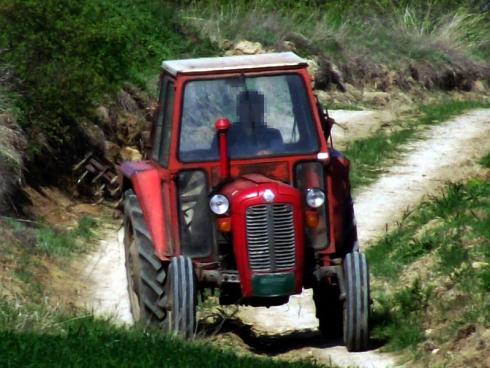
column 105, row 277
column 446, row 152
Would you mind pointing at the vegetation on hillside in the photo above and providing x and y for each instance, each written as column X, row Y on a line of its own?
column 414, row 35
column 65, row 56
column 432, row 278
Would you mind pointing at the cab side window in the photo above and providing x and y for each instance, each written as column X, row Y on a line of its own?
column 163, row 127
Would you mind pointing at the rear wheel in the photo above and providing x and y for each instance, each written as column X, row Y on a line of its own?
column 181, row 289
column 146, row 274
column 356, row 305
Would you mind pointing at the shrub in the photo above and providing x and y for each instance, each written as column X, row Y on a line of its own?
column 67, row 54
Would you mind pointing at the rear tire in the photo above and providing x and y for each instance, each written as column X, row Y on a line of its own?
column 356, row 305
column 145, row 272
column 182, row 297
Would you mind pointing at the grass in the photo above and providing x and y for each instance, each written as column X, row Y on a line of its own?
column 370, row 156
column 34, row 334
column 448, row 237
column 29, row 252
column 38, row 338
column 49, row 241
column 385, row 31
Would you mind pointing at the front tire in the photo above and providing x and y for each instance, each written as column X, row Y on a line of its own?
column 356, row 305
column 182, row 297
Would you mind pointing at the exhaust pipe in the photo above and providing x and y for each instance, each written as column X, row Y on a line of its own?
column 222, row 126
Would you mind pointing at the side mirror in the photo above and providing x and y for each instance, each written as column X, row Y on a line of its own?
column 327, row 121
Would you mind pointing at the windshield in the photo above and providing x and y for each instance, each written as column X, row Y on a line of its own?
column 270, row 116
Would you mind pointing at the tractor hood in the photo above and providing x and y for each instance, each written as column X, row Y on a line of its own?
column 267, row 230
column 254, row 185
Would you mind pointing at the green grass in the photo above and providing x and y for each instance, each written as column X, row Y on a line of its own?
column 55, row 242
column 46, row 240
column 370, row 156
column 385, row 31
column 452, row 232
column 38, row 338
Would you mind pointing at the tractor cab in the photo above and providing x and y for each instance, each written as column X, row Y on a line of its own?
column 242, row 193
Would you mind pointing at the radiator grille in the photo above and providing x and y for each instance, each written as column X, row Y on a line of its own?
column 271, row 238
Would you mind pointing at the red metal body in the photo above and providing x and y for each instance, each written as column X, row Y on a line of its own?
column 247, row 179
column 248, row 191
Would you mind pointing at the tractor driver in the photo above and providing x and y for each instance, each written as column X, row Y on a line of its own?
column 250, row 136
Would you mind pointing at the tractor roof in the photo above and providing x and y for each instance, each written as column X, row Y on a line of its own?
column 240, row 62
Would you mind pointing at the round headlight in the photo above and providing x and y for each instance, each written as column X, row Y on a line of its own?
column 315, row 198
column 219, row 204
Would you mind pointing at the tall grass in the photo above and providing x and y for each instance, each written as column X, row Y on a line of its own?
column 385, row 31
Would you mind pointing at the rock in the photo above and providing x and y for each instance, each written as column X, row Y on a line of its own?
column 478, row 86
column 127, row 102
column 130, row 154
column 479, row 264
column 313, row 68
column 376, row 98
column 328, row 74
column 226, row 44
column 353, row 91
column 129, row 128
column 246, row 48
column 288, row 46
column 111, row 151
column 94, row 134
column 102, row 114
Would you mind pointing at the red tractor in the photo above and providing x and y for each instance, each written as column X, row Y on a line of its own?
column 242, row 192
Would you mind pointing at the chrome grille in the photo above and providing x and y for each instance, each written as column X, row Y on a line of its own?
column 271, row 238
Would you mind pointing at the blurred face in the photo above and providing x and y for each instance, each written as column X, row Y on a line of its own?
column 250, row 110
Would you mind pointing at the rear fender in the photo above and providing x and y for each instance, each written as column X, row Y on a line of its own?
column 339, row 202
column 146, row 181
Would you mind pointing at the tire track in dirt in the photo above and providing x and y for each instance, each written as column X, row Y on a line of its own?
column 105, row 277
column 446, row 152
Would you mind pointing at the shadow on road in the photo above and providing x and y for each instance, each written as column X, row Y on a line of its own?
column 269, row 344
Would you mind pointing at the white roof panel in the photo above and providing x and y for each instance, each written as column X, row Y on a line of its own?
column 272, row 60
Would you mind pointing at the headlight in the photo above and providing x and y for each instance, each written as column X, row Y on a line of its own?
column 315, row 198
column 219, row 204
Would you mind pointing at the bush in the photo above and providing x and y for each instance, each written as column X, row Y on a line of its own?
column 67, row 54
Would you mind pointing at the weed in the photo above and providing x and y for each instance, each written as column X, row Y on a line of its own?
column 485, row 161
column 398, row 318
column 452, row 229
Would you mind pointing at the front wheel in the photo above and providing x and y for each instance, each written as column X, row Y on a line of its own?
column 181, row 288
column 356, row 305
